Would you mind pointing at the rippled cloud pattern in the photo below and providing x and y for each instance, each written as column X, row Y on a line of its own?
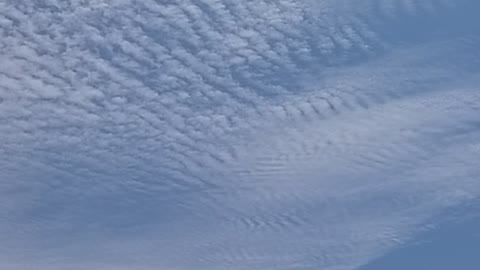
column 232, row 135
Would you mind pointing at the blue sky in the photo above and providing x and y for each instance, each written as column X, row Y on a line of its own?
column 222, row 134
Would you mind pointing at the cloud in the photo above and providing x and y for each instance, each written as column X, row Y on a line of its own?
column 223, row 135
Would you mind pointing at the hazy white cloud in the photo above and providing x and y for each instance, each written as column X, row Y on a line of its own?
column 218, row 134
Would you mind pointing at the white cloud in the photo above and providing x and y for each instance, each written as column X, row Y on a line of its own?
column 230, row 135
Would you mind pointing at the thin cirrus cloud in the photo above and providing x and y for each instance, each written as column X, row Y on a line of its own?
column 218, row 134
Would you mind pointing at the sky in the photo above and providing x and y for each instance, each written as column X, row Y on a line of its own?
column 238, row 135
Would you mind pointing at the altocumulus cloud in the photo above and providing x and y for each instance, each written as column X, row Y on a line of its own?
column 221, row 134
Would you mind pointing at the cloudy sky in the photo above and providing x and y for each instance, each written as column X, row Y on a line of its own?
column 239, row 134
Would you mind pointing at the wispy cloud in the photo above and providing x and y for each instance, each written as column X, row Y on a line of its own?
column 219, row 134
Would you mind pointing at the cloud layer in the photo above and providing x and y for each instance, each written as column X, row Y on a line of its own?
column 218, row 134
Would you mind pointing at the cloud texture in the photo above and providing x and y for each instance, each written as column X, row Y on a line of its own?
column 221, row 134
